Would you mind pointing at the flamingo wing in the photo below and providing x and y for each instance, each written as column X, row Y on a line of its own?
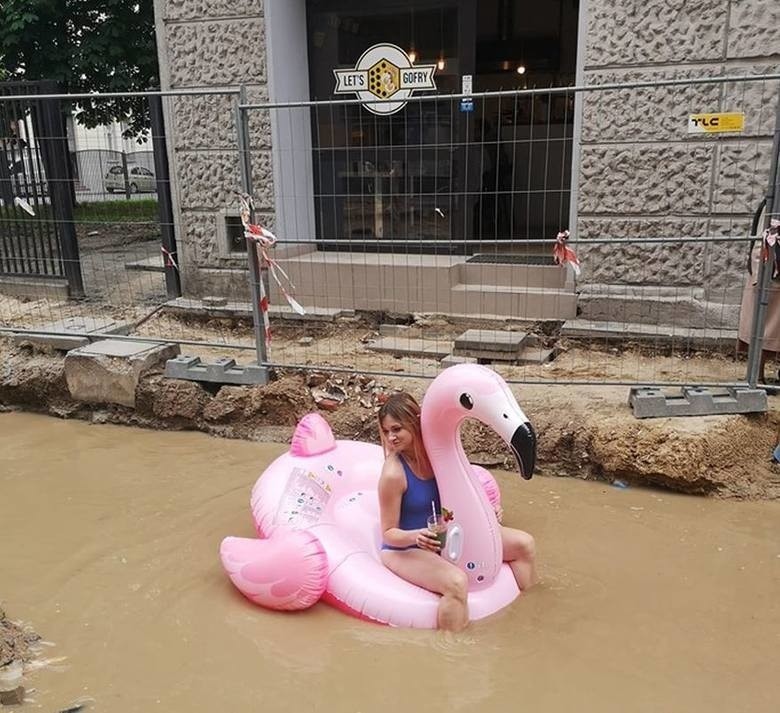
column 287, row 571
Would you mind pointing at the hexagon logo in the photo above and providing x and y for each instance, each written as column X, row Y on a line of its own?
column 384, row 78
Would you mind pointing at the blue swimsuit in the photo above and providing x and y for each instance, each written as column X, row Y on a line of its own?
column 416, row 503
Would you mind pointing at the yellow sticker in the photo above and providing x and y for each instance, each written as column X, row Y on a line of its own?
column 716, row 123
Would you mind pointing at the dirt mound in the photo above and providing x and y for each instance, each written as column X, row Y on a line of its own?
column 584, row 432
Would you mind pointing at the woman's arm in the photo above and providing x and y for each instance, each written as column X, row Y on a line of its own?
column 392, row 484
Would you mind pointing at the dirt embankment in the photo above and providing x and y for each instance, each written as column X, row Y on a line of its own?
column 584, row 432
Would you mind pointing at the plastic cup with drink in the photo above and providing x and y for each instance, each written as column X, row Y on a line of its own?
column 438, row 526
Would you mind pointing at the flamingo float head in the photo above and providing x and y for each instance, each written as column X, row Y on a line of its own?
column 472, row 391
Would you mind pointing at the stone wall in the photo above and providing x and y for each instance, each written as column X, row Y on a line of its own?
column 641, row 174
column 213, row 44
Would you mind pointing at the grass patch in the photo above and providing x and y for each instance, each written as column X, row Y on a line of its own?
column 119, row 211
column 122, row 212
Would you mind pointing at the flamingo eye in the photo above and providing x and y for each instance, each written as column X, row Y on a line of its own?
column 466, row 401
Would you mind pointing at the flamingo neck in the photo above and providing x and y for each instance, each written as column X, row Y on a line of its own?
column 445, row 450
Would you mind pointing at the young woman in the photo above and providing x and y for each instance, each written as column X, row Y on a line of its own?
column 407, row 487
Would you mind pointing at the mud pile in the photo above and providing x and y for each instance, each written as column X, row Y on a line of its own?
column 587, row 432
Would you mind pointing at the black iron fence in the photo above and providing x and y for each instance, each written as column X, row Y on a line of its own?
column 37, row 235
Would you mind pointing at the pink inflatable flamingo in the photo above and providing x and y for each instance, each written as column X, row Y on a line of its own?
column 316, row 508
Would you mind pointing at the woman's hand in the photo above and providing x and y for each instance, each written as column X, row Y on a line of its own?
column 427, row 540
column 499, row 513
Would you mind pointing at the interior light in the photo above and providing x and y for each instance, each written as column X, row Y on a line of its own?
column 440, row 63
column 521, row 69
column 505, row 65
column 412, row 56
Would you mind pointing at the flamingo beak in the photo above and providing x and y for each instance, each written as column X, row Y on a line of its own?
column 524, row 447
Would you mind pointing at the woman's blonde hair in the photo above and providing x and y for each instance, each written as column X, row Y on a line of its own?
column 403, row 408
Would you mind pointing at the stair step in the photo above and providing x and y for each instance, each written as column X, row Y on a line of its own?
column 538, row 276
column 513, row 289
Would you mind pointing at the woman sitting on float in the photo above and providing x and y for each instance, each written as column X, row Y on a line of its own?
column 407, row 495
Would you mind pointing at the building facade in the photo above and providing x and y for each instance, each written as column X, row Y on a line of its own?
column 608, row 164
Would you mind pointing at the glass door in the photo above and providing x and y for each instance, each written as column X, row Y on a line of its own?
column 396, row 181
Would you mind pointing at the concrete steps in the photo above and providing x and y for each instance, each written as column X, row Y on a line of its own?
column 518, row 302
column 548, row 277
column 429, row 283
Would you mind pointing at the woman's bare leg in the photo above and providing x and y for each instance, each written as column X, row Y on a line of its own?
column 520, row 555
column 431, row 572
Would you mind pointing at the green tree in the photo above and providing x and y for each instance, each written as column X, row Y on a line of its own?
column 85, row 46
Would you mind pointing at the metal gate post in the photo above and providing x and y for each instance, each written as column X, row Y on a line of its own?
column 164, row 201
column 765, row 267
column 59, row 189
column 255, row 273
column 126, row 174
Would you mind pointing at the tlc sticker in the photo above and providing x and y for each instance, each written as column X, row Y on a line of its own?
column 716, row 123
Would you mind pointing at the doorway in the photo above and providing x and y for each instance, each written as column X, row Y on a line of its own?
column 439, row 176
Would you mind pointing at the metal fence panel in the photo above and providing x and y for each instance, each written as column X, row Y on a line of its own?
column 447, row 221
column 401, row 235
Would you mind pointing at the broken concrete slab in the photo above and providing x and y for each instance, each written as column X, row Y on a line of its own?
column 222, row 371
column 653, row 402
column 243, row 310
column 489, row 345
column 657, row 333
column 399, row 346
column 65, row 334
column 526, row 355
column 394, row 330
column 453, row 359
column 108, row 371
column 493, row 340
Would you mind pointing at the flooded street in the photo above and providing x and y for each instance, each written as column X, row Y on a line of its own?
column 109, row 549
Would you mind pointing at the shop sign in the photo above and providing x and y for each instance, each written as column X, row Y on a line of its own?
column 384, row 72
column 716, row 123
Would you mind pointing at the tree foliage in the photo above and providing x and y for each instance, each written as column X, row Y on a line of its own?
column 85, row 46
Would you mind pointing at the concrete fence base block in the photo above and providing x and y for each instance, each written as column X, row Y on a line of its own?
column 221, row 371
column 652, row 402
column 108, row 371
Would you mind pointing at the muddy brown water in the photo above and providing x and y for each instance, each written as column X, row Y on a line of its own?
column 108, row 548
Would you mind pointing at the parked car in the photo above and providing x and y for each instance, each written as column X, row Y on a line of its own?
column 139, row 180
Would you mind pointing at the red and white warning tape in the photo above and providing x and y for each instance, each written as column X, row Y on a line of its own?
column 169, row 259
column 563, row 254
column 263, row 239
